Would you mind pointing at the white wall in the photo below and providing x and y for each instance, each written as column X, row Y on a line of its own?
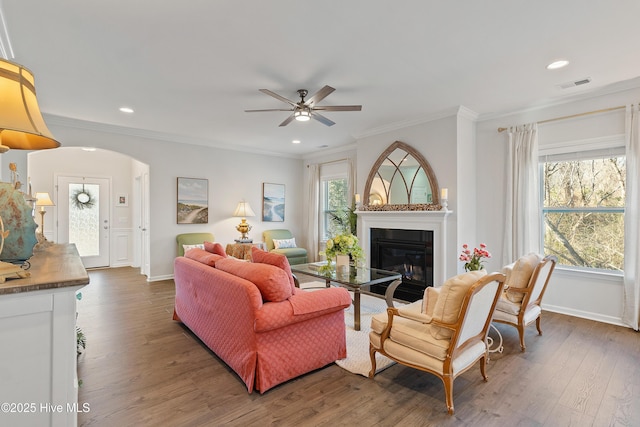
column 232, row 176
column 437, row 141
column 586, row 295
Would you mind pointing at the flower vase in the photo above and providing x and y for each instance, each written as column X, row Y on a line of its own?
column 342, row 263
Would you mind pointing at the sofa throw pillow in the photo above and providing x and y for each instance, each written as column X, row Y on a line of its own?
column 203, row 256
column 520, row 275
column 277, row 260
column 272, row 282
column 284, row 243
column 447, row 307
column 187, row 248
column 215, row 248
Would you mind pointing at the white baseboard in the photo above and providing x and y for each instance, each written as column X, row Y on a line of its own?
column 159, row 278
column 584, row 315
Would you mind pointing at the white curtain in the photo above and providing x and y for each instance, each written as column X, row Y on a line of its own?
column 631, row 312
column 313, row 207
column 351, row 173
column 522, row 216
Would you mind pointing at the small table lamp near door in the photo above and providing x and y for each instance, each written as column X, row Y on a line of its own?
column 42, row 200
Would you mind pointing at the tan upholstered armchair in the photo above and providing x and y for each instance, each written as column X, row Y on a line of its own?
column 445, row 333
column 519, row 304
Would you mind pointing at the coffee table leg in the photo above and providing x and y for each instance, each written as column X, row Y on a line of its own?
column 356, row 309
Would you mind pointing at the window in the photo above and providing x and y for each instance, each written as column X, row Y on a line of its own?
column 583, row 208
column 334, row 204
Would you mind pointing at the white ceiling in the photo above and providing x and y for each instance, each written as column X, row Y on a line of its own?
column 191, row 68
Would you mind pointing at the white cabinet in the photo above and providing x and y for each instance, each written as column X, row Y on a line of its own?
column 38, row 376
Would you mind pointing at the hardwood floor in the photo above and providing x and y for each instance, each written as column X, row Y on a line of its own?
column 142, row 368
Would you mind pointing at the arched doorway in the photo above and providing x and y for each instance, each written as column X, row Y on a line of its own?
column 125, row 192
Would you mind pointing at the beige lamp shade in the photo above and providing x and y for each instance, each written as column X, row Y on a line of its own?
column 43, row 199
column 243, row 210
column 21, row 124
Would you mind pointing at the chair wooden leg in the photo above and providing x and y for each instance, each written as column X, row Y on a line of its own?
column 521, row 333
column 538, row 326
column 372, row 355
column 483, row 365
column 448, row 392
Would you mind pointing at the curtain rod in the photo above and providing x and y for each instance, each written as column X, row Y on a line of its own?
column 604, row 110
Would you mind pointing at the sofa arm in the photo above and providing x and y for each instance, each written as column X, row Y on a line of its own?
column 300, row 307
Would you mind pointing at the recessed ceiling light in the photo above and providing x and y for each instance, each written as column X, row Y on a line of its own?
column 126, row 109
column 557, row 64
column 295, row 141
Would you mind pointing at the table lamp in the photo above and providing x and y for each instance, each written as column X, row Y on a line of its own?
column 243, row 210
column 42, row 200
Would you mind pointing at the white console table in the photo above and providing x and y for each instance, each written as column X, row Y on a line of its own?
column 38, row 375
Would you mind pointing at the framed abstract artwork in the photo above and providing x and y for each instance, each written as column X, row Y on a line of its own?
column 272, row 202
column 193, row 201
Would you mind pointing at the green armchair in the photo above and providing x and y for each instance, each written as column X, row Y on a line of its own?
column 191, row 239
column 295, row 255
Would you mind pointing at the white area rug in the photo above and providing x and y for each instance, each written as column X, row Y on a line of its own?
column 357, row 360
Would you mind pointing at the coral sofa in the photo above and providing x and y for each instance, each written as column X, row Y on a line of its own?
column 252, row 316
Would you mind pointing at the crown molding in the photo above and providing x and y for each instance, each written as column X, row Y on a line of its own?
column 460, row 111
column 330, row 152
column 52, row 119
column 467, row 113
column 630, row 84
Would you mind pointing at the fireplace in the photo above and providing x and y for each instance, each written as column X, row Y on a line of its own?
column 408, row 252
column 433, row 222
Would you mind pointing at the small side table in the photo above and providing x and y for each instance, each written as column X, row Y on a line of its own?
column 243, row 250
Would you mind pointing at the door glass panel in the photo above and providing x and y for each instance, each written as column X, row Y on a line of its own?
column 84, row 218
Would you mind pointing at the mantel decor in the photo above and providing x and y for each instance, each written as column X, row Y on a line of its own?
column 405, row 207
column 401, row 180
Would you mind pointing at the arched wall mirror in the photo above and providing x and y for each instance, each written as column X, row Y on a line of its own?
column 401, row 177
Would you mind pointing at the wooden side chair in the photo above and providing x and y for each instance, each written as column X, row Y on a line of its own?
column 444, row 334
column 519, row 304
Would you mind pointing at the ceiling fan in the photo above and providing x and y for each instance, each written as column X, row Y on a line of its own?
column 304, row 110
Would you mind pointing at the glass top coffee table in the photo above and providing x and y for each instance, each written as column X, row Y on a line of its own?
column 353, row 279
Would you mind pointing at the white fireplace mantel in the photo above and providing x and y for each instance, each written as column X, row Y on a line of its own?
column 435, row 221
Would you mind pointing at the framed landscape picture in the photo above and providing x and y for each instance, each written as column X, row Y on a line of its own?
column 193, row 201
column 272, row 202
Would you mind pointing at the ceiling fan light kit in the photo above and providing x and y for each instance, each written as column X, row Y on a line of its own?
column 304, row 110
column 302, row 115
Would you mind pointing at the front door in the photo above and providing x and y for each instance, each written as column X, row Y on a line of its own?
column 83, row 217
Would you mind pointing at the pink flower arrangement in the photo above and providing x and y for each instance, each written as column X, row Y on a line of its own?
column 473, row 260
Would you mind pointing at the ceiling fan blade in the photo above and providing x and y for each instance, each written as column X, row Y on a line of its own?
column 276, row 96
column 319, row 95
column 287, row 120
column 271, row 109
column 322, row 119
column 339, row 108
